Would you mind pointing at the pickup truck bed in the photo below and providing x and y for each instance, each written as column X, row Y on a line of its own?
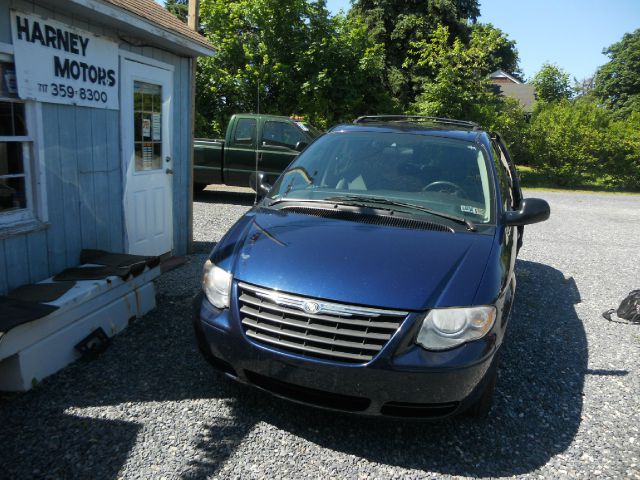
column 207, row 159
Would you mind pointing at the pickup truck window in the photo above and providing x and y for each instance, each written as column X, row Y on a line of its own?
column 245, row 131
column 281, row 134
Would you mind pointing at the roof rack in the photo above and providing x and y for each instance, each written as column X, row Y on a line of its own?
column 405, row 118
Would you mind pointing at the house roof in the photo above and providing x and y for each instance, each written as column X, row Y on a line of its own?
column 145, row 20
column 522, row 92
column 503, row 74
column 160, row 16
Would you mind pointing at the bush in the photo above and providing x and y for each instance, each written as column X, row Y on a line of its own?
column 507, row 117
column 579, row 142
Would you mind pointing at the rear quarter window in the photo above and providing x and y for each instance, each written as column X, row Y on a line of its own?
column 245, row 131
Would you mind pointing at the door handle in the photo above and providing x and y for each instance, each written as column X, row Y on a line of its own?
column 169, row 171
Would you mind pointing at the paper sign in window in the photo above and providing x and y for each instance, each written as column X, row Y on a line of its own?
column 147, row 156
column 146, row 128
column 155, row 126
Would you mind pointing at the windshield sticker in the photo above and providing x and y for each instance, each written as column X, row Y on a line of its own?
column 302, row 126
column 470, row 209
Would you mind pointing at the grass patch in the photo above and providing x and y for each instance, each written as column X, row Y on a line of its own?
column 533, row 178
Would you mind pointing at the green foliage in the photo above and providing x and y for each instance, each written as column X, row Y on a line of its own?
column 291, row 53
column 509, row 118
column 394, row 56
column 551, row 84
column 617, row 83
column 396, row 24
column 180, row 8
column 458, row 86
column 502, row 54
column 580, row 142
column 343, row 72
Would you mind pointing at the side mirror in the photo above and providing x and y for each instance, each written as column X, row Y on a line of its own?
column 532, row 210
column 258, row 182
column 300, row 146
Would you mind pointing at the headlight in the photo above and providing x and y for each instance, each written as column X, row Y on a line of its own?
column 216, row 284
column 445, row 328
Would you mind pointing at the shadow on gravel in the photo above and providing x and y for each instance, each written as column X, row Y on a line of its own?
column 224, row 197
column 536, row 412
column 86, row 420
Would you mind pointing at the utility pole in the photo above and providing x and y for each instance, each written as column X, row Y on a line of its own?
column 193, row 19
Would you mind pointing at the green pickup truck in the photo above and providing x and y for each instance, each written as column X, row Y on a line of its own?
column 270, row 140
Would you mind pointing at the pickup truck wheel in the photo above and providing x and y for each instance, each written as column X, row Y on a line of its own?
column 481, row 407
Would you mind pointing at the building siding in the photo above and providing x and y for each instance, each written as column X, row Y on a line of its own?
column 83, row 172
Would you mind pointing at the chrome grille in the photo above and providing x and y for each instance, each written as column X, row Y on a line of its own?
column 315, row 328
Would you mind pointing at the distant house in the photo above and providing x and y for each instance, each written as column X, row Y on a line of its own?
column 509, row 86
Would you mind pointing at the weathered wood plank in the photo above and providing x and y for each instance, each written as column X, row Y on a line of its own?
column 16, row 267
column 56, row 244
column 100, row 177
column 84, row 132
column 114, row 180
column 5, row 23
column 37, row 256
column 184, row 139
column 70, row 182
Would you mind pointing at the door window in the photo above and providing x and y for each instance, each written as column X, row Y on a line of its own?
column 245, row 131
column 504, row 178
column 281, row 134
column 147, row 120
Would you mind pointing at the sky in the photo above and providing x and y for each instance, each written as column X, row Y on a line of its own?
column 569, row 33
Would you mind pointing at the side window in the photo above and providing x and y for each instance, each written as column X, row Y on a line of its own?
column 506, row 195
column 282, row 134
column 16, row 201
column 245, row 133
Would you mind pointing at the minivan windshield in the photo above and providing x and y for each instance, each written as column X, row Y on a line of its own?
column 446, row 175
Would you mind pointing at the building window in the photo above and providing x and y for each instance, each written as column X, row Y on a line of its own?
column 16, row 201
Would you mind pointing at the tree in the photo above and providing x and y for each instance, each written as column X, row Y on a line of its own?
column 551, row 84
column 458, row 84
column 396, row 24
column 617, row 82
column 503, row 53
column 180, row 8
column 343, row 74
column 292, row 56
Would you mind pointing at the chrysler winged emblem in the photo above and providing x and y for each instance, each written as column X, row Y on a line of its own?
column 311, row 307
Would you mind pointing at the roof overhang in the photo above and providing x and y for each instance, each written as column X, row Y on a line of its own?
column 127, row 23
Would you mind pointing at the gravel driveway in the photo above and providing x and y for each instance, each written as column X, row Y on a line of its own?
column 567, row 403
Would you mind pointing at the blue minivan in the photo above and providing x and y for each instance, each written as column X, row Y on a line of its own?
column 376, row 275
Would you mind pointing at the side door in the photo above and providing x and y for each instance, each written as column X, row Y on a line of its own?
column 145, row 110
column 278, row 141
column 514, row 180
column 240, row 151
column 506, row 198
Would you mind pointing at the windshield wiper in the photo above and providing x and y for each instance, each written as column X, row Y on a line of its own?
column 273, row 201
column 362, row 200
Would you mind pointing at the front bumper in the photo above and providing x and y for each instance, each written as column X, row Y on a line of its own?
column 403, row 380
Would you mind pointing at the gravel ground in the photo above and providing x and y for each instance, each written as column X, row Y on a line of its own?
column 567, row 403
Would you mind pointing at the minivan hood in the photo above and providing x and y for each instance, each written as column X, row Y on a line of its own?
column 355, row 263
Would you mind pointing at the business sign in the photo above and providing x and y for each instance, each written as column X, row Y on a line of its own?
column 58, row 63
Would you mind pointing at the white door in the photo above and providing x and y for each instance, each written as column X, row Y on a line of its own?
column 145, row 112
